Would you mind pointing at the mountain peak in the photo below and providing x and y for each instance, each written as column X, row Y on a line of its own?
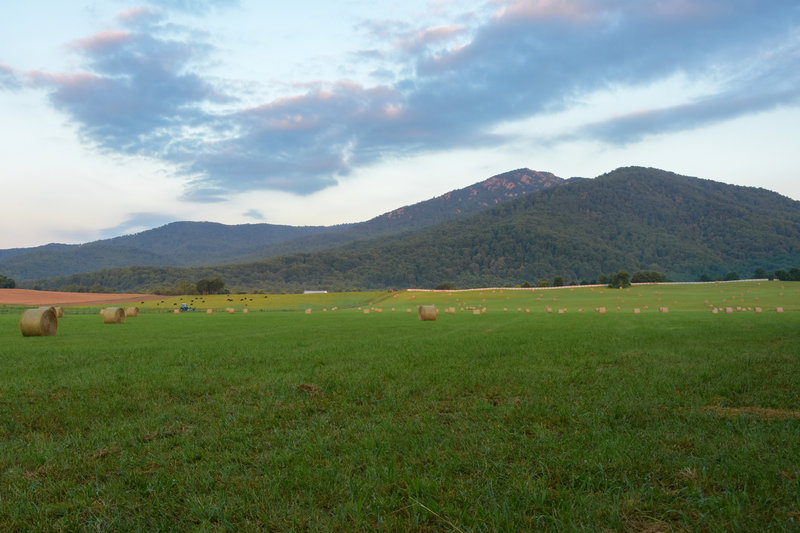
column 492, row 191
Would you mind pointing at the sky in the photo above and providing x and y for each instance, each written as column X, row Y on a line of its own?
column 120, row 116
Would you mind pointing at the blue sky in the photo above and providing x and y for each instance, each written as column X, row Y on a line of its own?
column 122, row 116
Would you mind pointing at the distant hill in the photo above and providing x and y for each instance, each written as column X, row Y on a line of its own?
column 450, row 206
column 632, row 218
column 207, row 243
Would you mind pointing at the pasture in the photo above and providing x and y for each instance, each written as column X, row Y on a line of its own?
column 515, row 418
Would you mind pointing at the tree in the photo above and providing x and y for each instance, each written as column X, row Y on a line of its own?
column 620, row 280
column 210, row 286
column 558, row 281
column 215, row 286
column 760, row 273
column 7, row 283
column 185, row 287
column 731, row 276
column 446, row 286
column 648, row 276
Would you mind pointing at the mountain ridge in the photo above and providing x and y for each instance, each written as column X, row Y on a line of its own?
column 191, row 243
column 633, row 218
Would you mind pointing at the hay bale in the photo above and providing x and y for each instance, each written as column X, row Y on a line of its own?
column 209, row 311
column 230, row 310
column 132, row 311
column 113, row 315
column 601, row 310
column 758, row 309
column 476, row 311
column 40, row 322
column 176, row 311
column 664, row 310
column 245, row 310
column 636, row 311
column 308, row 311
column 427, row 312
column 450, row 310
column 779, row 310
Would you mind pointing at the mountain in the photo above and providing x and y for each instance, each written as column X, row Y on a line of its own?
column 207, row 243
column 450, row 206
column 632, row 218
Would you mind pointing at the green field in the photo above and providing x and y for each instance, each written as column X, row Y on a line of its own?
column 504, row 420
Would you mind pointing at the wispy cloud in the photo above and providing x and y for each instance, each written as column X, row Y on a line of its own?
column 9, row 78
column 139, row 94
column 195, row 6
column 255, row 214
column 137, row 222
column 443, row 85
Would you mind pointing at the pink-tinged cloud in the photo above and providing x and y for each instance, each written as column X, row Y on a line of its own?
column 70, row 82
column 428, row 36
column 102, row 42
column 566, row 10
column 139, row 15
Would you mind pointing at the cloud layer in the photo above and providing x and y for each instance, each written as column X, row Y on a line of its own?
column 143, row 90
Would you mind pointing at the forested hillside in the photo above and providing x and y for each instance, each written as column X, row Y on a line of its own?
column 633, row 218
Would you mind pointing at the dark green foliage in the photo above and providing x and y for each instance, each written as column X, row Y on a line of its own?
column 731, row 276
column 648, row 276
column 210, row 286
column 558, row 281
column 620, row 280
column 7, row 283
column 446, row 286
column 792, row 275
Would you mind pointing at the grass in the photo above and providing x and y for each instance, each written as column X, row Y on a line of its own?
column 341, row 420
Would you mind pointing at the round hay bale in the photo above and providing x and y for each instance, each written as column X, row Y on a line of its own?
column 40, row 322
column 245, row 310
column 427, row 312
column 113, row 315
column 132, row 311
column 209, row 311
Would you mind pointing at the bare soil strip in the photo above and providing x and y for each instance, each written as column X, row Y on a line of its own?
column 30, row 297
